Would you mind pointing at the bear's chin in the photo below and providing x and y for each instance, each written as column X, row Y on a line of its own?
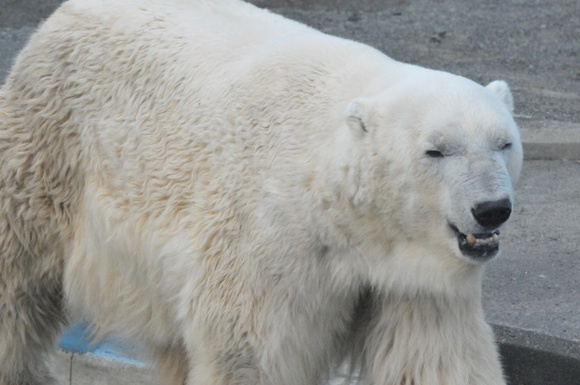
column 479, row 247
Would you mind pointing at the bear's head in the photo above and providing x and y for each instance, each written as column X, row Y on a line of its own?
column 436, row 158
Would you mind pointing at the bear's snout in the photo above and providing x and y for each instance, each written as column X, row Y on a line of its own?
column 492, row 214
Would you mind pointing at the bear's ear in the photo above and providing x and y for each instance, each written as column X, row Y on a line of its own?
column 357, row 115
column 502, row 90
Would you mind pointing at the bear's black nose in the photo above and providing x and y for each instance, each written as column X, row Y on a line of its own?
column 491, row 214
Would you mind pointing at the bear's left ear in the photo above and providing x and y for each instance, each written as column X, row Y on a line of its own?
column 502, row 90
column 357, row 115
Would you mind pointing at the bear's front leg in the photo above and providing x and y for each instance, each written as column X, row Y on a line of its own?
column 227, row 350
column 272, row 333
column 427, row 340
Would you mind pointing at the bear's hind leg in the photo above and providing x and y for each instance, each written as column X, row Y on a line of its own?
column 31, row 313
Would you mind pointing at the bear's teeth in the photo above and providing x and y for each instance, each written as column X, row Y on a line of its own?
column 471, row 239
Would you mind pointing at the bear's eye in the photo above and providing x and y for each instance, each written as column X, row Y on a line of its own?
column 506, row 146
column 434, row 154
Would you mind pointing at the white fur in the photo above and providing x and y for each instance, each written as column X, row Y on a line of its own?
column 248, row 196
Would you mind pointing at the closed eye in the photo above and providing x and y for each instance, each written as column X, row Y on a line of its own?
column 434, row 154
column 506, row 146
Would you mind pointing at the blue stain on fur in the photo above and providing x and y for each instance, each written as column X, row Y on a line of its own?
column 77, row 339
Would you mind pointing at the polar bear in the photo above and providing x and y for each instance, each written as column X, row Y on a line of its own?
column 253, row 199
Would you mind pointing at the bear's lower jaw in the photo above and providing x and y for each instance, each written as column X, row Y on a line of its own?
column 477, row 247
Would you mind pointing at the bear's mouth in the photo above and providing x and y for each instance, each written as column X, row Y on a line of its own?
column 480, row 246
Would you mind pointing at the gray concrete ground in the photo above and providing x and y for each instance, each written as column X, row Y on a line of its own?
column 532, row 292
